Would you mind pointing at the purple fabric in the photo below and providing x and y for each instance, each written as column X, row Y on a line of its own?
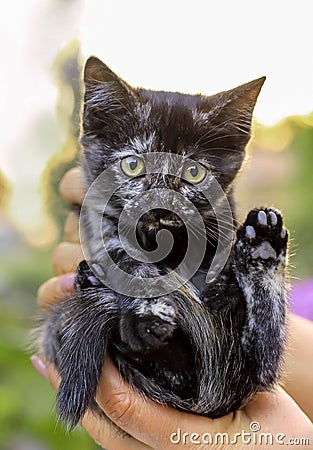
column 301, row 301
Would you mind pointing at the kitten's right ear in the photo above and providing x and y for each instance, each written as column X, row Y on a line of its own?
column 97, row 72
column 104, row 90
column 108, row 104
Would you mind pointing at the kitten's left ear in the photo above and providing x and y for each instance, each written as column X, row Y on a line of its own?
column 236, row 105
column 243, row 98
column 229, row 116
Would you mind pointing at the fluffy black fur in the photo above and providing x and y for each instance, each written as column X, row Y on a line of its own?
column 204, row 348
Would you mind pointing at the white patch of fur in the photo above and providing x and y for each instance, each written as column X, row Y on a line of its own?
column 123, row 153
column 163, row 310
column 200, row 117
column 170, row 223
column 143, row 144
column 185, row 190
column 144, row 112
column 159, row 309
column 153, row 226
column 273, row 281
column 249, row 293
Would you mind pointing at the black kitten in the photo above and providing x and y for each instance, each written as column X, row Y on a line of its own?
column 198, row 346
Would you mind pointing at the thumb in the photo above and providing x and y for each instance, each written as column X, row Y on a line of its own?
column 156, row 425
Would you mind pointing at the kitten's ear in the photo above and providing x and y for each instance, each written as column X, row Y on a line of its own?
column 229, row 116
column 108, row 106
column 237, row 104
column 96, row 72
column 107, row 96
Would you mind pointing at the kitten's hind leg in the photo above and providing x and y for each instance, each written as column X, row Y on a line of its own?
column 260, row 261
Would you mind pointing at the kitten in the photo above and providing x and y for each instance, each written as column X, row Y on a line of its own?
column 200, row 347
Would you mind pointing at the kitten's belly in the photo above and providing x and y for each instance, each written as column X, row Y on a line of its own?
column 171, row 366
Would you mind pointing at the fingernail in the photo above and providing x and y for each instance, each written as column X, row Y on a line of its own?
column 39, row 365
column 67, row 283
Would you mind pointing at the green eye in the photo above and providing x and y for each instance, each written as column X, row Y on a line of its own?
column 194, row 173
column 133, row 166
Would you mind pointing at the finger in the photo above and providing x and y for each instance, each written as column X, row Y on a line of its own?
column 55, row 289
column 71, row 228
column 66, row 257
column 298, row 380
column 271, row 405
column 72, row 186
column 147, row 421
column 104, row 432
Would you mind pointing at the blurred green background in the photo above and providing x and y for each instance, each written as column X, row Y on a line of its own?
column 278, row 172
column 27, row 417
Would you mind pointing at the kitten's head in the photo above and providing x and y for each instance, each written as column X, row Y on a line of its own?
column 122, row 125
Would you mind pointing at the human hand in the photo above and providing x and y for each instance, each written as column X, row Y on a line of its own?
column 148, row 424
column 68, row 253
column 152, row 426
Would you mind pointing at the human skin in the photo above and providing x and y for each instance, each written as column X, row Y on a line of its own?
column 150, row 425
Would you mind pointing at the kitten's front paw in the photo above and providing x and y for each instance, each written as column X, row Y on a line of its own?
column 263, row 236
column 85, row 277
column 150, row 325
